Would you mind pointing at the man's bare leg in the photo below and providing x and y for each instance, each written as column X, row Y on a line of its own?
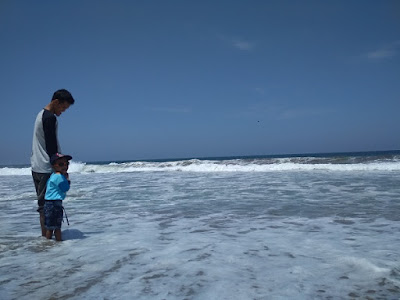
column 42, row 223
column 49, row 234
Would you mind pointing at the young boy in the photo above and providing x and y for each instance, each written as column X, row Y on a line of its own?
column 57, row 187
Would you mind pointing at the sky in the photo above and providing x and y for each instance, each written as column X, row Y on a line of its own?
column 192, row 79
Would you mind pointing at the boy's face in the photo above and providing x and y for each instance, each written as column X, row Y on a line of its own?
column 61, row 165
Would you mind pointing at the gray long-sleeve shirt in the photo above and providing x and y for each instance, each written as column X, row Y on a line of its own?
column 45, row 141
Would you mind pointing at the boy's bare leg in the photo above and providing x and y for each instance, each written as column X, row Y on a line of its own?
column 49, row 234
column 57, row 234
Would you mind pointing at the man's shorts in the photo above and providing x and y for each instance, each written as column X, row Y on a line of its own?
column 40, row 181
column 53, row 214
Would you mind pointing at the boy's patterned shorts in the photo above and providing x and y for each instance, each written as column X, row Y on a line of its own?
column 53, row 214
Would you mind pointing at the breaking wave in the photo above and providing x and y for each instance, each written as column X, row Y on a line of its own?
column 336, row 164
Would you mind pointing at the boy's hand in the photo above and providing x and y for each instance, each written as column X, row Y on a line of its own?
column 67, row 176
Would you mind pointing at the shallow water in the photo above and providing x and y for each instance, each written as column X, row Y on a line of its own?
column 299, row 234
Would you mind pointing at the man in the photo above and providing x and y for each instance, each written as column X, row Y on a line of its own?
column 45, row 144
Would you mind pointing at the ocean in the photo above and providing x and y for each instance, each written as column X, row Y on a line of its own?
column 316, row 226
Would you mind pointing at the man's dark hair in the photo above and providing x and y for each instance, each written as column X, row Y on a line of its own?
column 63, row 96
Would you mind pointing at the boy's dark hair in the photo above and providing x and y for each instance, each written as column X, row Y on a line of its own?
column 63, row 96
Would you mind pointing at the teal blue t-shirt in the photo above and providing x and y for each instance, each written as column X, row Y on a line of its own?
column 57, row 187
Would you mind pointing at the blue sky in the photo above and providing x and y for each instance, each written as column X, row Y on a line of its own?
column 176, row 79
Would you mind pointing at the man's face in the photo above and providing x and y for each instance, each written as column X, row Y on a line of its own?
column 60, row 107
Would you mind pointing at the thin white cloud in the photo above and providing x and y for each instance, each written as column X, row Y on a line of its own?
column 384, row 52
column 238, row 43
column 260, row 91
column 274, row 110
column 243, row 45
column 303, row 113
column 180, row 110
column 381, row 54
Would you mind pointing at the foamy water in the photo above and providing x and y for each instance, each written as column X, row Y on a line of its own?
column 267, row 164
column 219, row 233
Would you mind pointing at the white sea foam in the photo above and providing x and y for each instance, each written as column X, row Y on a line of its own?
column 215, row 166
column 10, row 171
column 205, row 235
column 350, row 162
column 229, row 166
column 75, row 167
